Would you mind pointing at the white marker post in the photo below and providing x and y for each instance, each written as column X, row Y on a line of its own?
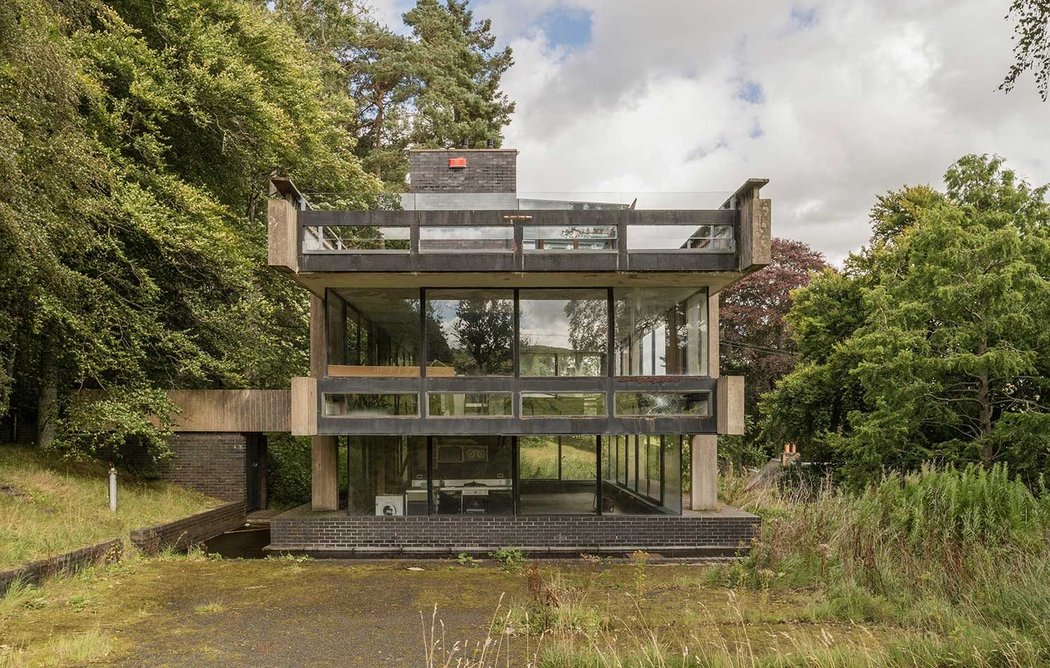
column 112, row 489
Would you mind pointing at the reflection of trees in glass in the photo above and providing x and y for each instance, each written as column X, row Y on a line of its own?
column 361, row 237
column 663, row 315
column 437, row 346
column 588, row 323
column 484, row 331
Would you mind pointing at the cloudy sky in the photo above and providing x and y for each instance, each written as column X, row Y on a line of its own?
column 835, row 102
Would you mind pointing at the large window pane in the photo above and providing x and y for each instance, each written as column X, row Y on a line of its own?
column 563, row 404
column 563, row 332
column 648, row 477
column 388, row 475
column 632, row 404
column 373, row 332
column 353, row 238
column 459, row 404
column 466, row 239
column 371, row 405
column 470, row 332
column 661, row 331
column 557, row 474
column 472, row 475
column 572, row 238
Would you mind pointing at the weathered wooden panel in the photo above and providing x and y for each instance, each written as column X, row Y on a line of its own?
column 282, row 235
column 303, row 407
column 231, row 410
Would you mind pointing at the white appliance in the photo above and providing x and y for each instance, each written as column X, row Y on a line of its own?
column 390, row 504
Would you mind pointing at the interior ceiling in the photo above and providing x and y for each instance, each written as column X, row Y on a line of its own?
column 380, row 308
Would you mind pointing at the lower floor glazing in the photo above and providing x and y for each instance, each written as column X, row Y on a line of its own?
column 515, row 475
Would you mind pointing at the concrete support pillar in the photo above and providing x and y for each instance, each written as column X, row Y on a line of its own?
column 704, row 493
column 317, row 337
column 713, row 359
column 324, row 473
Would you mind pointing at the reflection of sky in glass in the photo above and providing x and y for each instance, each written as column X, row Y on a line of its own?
column 444, row 310
column 544, row 323
column 435, row 233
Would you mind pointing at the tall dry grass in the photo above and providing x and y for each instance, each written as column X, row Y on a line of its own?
column 49, row 506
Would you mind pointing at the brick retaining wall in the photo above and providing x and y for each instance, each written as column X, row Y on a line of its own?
column 178, row 535
column 191, row 530
column 63, row 564
column 212, row 463
column 714, row 533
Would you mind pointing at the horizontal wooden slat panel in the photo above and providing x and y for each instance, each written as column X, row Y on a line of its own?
column 231, row 410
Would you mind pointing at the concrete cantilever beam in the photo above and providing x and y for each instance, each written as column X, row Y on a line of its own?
column 756, row 216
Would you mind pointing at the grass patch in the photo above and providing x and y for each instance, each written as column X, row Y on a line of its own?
column 48, row 506
column 209, row 608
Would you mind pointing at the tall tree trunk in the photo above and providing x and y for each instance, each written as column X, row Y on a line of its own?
column 377, row 128
column 47, row 399
column 984, row 416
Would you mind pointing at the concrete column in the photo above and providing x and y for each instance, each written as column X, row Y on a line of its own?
column 704, row 493
column 324, row 473
column 713, row 362
column 317, row 337
column 324, row 450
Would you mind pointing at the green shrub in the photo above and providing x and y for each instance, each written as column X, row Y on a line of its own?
column 288, row 466
column 936, row 550
column 288, row 462
column 510, row 557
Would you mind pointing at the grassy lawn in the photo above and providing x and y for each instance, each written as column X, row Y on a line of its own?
column 194, row 611
column 940, row 568
column 49, row 507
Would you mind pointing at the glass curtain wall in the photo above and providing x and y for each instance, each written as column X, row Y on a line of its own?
column 473, row 475
column 559, row 332
column 642, row 474
column 563, row 332
column 558, row 474
column 470, row 332
column 387, row 475
column 373, row 332
column 661, row 331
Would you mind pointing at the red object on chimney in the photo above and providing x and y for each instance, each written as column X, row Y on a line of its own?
column 457, row 163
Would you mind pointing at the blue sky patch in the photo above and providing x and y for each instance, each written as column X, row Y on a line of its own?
column 569, row 27
column 751, row 91
column 803, row 18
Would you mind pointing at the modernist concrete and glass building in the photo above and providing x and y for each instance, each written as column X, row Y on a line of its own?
column 538, row 372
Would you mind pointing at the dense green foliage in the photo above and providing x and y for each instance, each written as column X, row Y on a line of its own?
column 963, row 555
column 136, row 143
column 1031, row 44
column 932, row 344
column 756, row 342
column 438, row 88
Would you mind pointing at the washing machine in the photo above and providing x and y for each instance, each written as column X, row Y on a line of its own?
column 390, row 504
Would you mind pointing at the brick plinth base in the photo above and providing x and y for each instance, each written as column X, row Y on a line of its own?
column 721, row 533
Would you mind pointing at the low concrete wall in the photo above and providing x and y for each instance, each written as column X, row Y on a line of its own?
column 718, row 533
column 191, row 530
column 63, row 564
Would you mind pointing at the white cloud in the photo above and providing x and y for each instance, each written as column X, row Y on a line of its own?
column 874, row 94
